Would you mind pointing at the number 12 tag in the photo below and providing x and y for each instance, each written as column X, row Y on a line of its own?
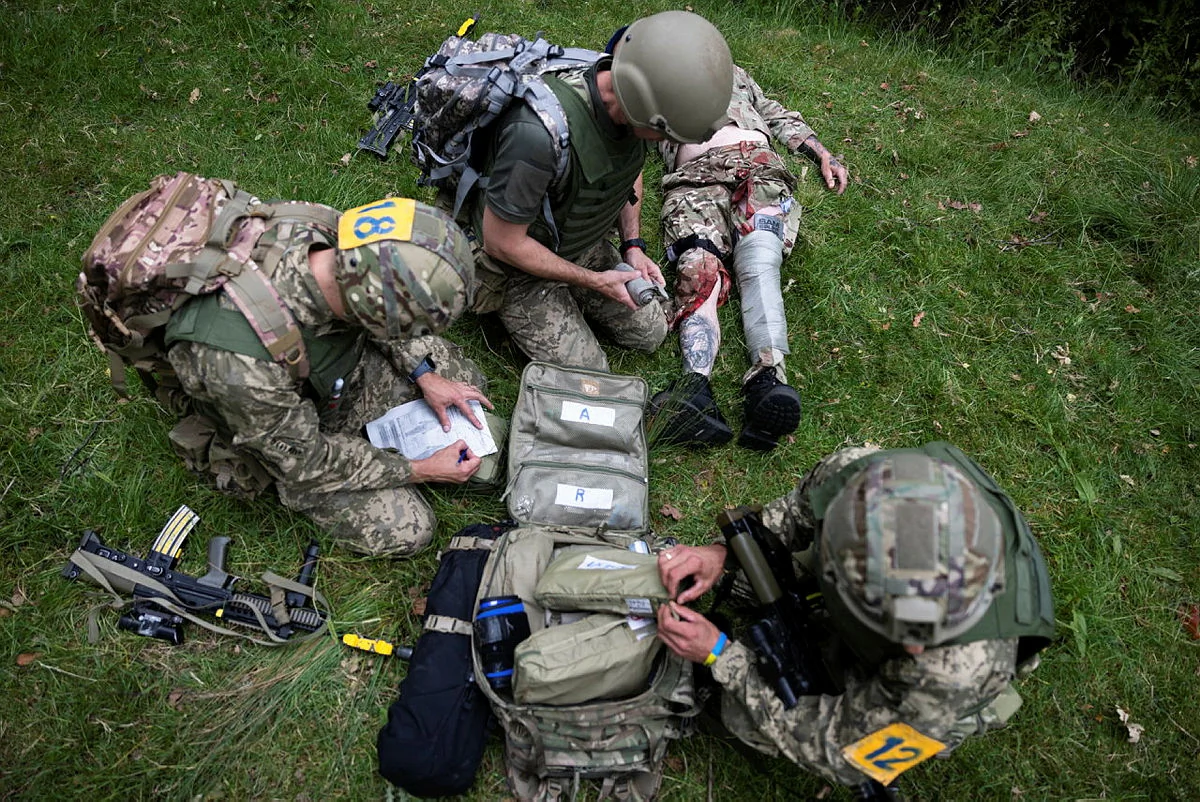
column 887, row 753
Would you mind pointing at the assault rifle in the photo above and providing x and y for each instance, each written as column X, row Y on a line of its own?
column 786, row 639
column 163, row 598
column 392, row 106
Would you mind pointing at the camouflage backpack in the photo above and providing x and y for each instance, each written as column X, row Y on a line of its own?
column 186, row 236
column 592, row 693
column 466, row 85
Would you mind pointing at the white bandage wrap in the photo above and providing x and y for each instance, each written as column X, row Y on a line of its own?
column 756, row 263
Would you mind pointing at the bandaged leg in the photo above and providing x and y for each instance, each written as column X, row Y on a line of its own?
column 756, row 262
column 772, row 408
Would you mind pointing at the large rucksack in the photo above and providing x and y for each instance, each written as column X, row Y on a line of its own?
column 610, row 697
column 186, row 236
column 466, row 85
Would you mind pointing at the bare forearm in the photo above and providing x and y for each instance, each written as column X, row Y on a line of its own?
column 510, row 243
column 629, row 223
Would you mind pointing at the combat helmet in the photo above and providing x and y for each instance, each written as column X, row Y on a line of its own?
column 408, row 276
column 910, row 552
column 672, row 72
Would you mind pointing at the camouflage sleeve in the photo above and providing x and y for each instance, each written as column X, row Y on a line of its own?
column 268, row 418
column 791, row 517
column 787, row 126
column 929, row 692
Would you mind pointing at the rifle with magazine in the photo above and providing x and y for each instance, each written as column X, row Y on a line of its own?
column 162, row 599
column 392, row 107
column 786, row 639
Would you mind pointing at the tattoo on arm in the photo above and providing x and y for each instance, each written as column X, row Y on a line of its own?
column 699, row 338
column 813, row 149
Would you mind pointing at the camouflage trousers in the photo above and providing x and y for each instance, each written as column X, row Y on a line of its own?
column 387, row 517
column 714, row 196
column 555, row 322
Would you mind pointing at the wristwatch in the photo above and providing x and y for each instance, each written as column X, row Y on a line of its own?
column 427, row 366
column 636, row 242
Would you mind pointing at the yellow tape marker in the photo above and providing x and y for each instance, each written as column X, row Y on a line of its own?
column 367, row 645
column 887, row 753
column 388, row 219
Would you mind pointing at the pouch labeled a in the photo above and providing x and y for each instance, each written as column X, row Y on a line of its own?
column 601, row 657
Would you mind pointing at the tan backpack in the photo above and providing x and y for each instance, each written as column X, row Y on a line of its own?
column 186, row 236
column 594, row 693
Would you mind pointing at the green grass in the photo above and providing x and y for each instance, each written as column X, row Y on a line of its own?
column 1058, row 342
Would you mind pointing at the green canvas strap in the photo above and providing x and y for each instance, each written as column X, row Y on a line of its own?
column 447, row 624
column 469, row 544
column 100, row 569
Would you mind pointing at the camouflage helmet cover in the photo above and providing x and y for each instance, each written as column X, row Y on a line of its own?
column 409, row 287
column 672, row 72
column 911, row 550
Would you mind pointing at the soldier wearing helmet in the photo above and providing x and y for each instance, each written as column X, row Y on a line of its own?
column 935, row 599
column 543, row 256
column 370, row 290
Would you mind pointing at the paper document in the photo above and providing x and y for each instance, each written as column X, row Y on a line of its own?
column 414, row 431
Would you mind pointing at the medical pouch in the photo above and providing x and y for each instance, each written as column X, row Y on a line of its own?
column 602, row 580
column 577, row 450
column 601, row 657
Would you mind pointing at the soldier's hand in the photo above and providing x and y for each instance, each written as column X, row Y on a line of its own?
column 611, row 284
column 835, row 175
column 442, row 393
column 685, row 632
column 639, row 261
column 454, row 464
column 703, row 563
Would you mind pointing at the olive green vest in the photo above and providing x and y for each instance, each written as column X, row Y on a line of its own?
column 1023, row 610
column 204, row 320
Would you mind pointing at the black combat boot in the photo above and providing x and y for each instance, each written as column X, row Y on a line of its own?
column 772, row 409
column 686, row 413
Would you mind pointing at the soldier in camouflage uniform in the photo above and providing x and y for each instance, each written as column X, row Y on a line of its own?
column 551, row 278
column 937, row 596
column 370, row 315
column 728, row 203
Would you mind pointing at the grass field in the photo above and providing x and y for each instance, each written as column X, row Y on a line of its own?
column 1015, row 268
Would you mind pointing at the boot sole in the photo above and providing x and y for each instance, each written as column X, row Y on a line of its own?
column 777, row 413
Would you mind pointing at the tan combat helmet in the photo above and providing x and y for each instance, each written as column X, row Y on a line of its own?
column 406, row 281
column 911, row 551
column 672, row 73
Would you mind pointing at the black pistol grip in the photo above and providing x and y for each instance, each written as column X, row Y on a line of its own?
column 216, row 576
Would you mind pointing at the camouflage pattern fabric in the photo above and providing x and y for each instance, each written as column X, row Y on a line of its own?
column 321, row 464
column 419, row 286
column 555, row 322
column 946, row 693
column 716, row 194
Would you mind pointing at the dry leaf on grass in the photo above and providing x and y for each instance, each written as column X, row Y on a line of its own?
column 917, row 320
column 25, row 658
column 671, row 511
column 1189, row 616
column 194, row 96
column 1135, row 730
